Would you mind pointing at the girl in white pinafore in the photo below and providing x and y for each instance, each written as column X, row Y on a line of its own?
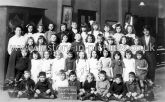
column 82, row 66
column 94, row 65
column 129, row 63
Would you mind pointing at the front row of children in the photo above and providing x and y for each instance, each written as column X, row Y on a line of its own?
column 103, row 89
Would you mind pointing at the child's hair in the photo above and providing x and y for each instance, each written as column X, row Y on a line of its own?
column 53, row 26
column 120, row 42
column 63, row 24
column 119, row 76
column 44, row 40
column 84, row 25
column 62, row 72
column 64, row 35
column 96, row 54
column 28, row 40
column 133, row 29
column 42, row 28
column 109, row 53
column 42, row 74
column 119, row 25
column 146, row 27
column 111, row 38
column 117, row 53
column 139, row 52
column 90, row 74
column 128, row 51
column 101, row 36
column 95, row 23
column 27, row 26
column 57, row 39
column 132, row 74
column 37, row 53
column 85, row 55
column 103, row 72
column 92, row 36
column 72, row 73
column 26, row 71
column 137, row 38
column 72, row 52
column 59, row 52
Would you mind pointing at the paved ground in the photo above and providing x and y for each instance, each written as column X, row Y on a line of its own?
column 159, row 92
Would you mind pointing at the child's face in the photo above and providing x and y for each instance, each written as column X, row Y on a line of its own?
column 131, row 78
column 89, row 39
column 129, row 29
column 58, row 56
column 78, row 37
column 105, row 53
column 72, row 77
column 46, row 55
column 30, row 42
column 74, row 25
column 30, row 29
column 42, row 78
column 82, row 55
column 65, row 38
column 99, row 39
column 118, row 80
column 136, row 41
column 91, row 22
column 24, row 53
column 50, row 27
column 123, row 40
column 26, row 75
column 53, row 38
column 95, row 27
column 139, row 56
column 63, row 28
column 18, row 31
column 70, row 55
column 94, row 54
column 102, row 77
column 35, row 56
column 118, row 29
column 110, row 41
column 89, row 78
column 106, row 29
column 117, row 57
column 83, row 29
column 40, row 29
column 146, row 32
column 62, row 76
column 41, row 41
column 128, row 55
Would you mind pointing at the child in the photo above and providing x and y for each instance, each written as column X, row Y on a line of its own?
column 49, row 32
column 43, row 88
column 136, row 46
column 73, row 82
column 30, row 45
column 123, row 46
column 95, row 30
column 40, row 30
column 129, row 63
column 118, row 89
column 64, row 46
column 46, row 64
column 118, row 33
column 73, row 31
column 141, row 68
column 22, row 64
column 26, row 86
column 133, row 88
column 99, row 46
column 107, row 32
column 70, row 62
column 89, row 87
column 130, row 33
column 84, row 33
column 102, row 87
column 62, row 82
column 82, row 66
column 41, row 45
column 30, row 31
column 117, row 64
column 78, row 45
column 35, row 66
column 94, row 65
column 105, row 63
column 89, row 45
column 53, row 45
column 57, row 64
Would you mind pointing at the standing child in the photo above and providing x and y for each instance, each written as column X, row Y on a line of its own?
column 82, row 66
column 30, row 45
column 73, row 31
column 118, row 34
column 141, row 68
column 43, row 88
column 94, row 65
column 26, row 86
column 41, row 45
column 40, row 30
column 107, row 32
column 30, row 31
column 88, row 88
column 129, row 63
column 99, row 46
column 117, row 64
column 49, row 32
column 105, row 63
column 35, row 66
column 130, row 33
column 102, row 87
column 84, row 33
column 89, row 44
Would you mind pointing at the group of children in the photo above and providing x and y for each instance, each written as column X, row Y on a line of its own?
column 102, row 65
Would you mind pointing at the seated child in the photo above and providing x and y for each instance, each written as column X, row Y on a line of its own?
column 102, row 87
column 133, row 88
column 118, row 89
column 26, row 86
column 43, row 88
column 88, row 88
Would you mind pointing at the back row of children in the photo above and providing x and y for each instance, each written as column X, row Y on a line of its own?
column 50, row 52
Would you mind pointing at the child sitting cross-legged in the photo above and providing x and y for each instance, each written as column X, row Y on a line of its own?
column 43, row 88
column 88, row 88
column 133, row 88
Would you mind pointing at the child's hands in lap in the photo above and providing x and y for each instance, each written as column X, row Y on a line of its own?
column 38, row 91
column 48, row 91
